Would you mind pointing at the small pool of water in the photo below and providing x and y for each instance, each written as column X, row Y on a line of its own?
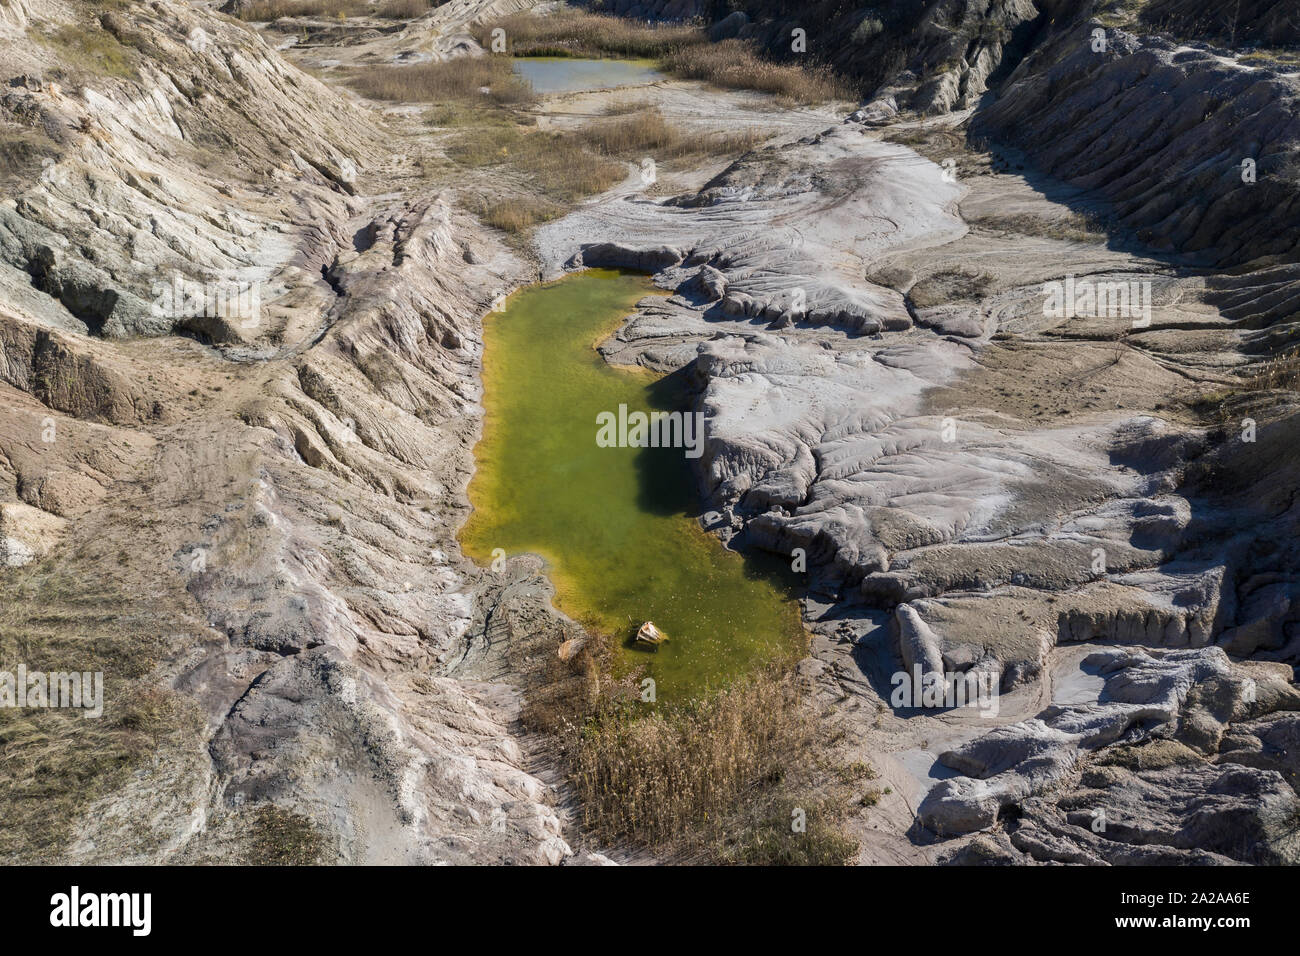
column 562, row 74
column 616, row 525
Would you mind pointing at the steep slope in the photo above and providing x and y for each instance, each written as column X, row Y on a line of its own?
column 239, row 339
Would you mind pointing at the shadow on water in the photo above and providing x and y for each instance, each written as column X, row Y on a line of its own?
column 665, row 476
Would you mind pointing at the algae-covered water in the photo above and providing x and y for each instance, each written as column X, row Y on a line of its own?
column 615, row 524
column 562, row 74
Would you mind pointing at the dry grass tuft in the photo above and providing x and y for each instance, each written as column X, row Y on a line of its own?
column 279, row 837
column 460, row 79
column 588, row 35
column 736, row 65
column 647, row 132
column 555, row 164
column 951, row 285
column 517, row 214
column 1280, row 373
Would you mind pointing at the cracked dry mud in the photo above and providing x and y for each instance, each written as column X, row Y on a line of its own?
column 866, row 337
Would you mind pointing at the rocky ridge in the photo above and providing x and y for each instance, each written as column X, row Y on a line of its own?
column 288, row 477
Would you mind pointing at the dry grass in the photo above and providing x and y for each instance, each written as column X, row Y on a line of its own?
column 588, row 35
column 24, row 154
column 646, row 132
column 279, row 837
column 555, row 164
column 1286, row 60
column 735, row 64
column 55, row 762
column 405, row 9
column 563, row 167
column 262, row 11
column 722, row 778
column 1280, row 373
column 684, row 50
column 716, row 780
column 940, row 143
column 951, row 285
column 1073, row 227
column 460, row 79
column 516, row 214
column 652, row 777
column 1120, row 13
column 93, row 49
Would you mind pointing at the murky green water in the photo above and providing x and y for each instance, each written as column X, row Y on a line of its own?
column 615, row 525
column 562, row 74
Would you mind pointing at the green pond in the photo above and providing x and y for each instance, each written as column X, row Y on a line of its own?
column 563, row 74
column 616, row 525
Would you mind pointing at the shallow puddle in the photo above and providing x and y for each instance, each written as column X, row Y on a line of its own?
column 563, row 74
column 615, row 524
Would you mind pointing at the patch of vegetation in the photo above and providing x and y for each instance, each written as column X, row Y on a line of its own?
column 1249, row 395
column 561, row 167
column 516, row 214
column 463, row 79
column 281, row 837
column 714, row 780
column 951, row 285
column 92, row 49
column 471, row 111
column 735, row 64
column 553, row 163
column 1281, row 372
column 646, row 132
column 656, row 777
column 867, row 28
column 858, row 770
column 1287, row 60
column 55, row 762
column 582, row 34
column 774, row 841
column 380, row 368
column 1258, row 23
column 683, row 50
column 729, row 778
column 24, row 153
column 941, row 144
column 1154, row 755
column 1073, row 227
column 262, row 11
column 1121, row 14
